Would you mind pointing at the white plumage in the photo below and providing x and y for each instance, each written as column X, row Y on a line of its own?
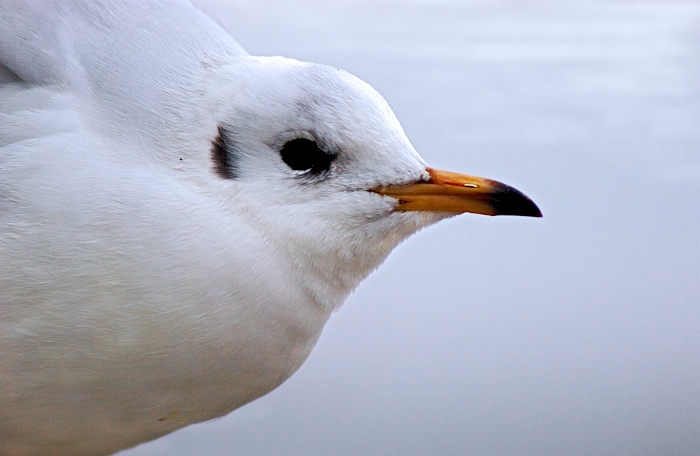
column 161, row 262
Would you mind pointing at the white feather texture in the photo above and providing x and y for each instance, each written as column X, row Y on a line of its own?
column 139, row 290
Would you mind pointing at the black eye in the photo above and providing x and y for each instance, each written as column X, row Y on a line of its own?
column 304, row 155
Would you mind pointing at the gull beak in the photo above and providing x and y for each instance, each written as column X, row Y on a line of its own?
column 446, row 191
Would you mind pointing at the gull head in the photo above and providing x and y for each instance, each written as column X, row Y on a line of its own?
column 316, row 162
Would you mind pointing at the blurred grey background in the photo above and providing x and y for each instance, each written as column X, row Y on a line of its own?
column 576, row 334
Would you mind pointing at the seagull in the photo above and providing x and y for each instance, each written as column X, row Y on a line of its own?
column 179, row 219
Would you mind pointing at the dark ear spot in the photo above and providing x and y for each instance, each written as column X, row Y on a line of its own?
column 223, row 154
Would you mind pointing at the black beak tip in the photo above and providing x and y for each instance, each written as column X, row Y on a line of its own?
column 509, row 201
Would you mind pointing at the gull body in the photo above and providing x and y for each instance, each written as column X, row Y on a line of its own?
column 162, row 261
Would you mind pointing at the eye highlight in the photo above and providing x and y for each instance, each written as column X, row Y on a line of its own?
column 303, row 154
